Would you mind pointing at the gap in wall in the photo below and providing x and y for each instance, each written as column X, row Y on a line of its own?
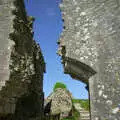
column 48, row 26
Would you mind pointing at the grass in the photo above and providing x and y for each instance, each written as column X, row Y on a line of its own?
column 84, row 103
column 59, row 85
column 69, row 118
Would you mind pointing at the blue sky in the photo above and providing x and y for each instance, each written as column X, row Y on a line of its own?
column 47, row 29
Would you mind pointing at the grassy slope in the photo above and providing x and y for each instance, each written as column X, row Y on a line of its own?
column 76, row 115
column 83, row 103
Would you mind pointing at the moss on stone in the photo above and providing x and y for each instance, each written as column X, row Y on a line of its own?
column 59, row 85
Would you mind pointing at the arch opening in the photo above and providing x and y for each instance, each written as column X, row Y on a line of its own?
column 47, row 40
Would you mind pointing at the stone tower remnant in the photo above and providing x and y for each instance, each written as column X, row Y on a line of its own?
column 90, row 50
column 21, row 64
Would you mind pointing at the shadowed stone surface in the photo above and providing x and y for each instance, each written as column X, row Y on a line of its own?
column 91, row 37
column 21, row 64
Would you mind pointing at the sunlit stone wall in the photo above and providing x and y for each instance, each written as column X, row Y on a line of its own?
column 90, row 49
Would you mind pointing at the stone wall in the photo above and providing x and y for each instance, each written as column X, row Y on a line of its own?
column 89, row 46
column 21, row 63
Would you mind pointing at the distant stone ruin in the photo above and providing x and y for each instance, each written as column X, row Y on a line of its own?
column 90, row 49
column 21, row 65
column 61, row 102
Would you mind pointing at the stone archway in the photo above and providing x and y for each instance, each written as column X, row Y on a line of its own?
column 77, row 70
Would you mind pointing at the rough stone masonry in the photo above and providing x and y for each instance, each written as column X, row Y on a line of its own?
column 21, row 64
column 90, row 50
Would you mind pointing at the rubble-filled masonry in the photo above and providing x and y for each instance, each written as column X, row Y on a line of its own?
column 21, row 64
column 90, row 49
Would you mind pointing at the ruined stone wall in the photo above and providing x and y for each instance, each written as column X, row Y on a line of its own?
column 90, row 49
column 21, row 63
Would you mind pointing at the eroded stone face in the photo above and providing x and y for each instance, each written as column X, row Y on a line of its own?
column 21, row 63
column 91, row 36
column 5, row 42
